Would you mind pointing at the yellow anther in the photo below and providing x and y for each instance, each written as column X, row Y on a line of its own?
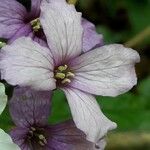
column 70, row 74
column 2, row 44
column 36, row 25
column 66, row 80
column 60, row 75
column 62, row 68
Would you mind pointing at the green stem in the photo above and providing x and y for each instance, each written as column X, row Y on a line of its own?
column 139, row 38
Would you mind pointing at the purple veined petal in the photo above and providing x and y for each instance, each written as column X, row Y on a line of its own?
column 87, row 115
column 62, row 27
column 107, row 71
column 18, row 136
column 91, row 39
column 66, row 136
column 28, row 107
column 35, row 7
column 11, row 18
column 26, row 30
column 26, row 63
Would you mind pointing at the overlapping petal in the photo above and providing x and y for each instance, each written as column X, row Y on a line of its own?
column 66, row 136
column 107, row 71
column 63, row 30
column 28, row 107
column 35, row 7
column 87, row 115
column 6, row 142
column 90, row 38
column 26, row 63
column 11, row 18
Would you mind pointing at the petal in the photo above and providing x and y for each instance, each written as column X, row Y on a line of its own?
column 19, row 136
column 28, row 107
column 62, row 27
column 26, row 30
column 6, row 142
column 66, row 136
column 11, row 18
column 35, row 7
column 87, row 115
column 26, row 63
column 3, row 98
column 107, row 71
column 90, row 38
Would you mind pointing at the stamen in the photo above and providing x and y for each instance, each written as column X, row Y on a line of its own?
column 66, row 80
column 43, row 139
column 41, row 143
column 70, row 74
column 62, row 68
column 33, row 129
column 60, row 75
column 36, row 25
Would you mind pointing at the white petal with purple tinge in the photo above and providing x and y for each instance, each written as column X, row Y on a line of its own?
column 108, row 70
column 87, row 114
column 63, row 30
column 26, row 63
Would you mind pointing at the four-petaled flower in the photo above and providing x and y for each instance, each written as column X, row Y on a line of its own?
column 107, row 70
column 30, row 111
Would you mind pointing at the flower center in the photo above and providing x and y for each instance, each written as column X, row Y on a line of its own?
column 37, row 135
column 36, row 25
column 63, row 74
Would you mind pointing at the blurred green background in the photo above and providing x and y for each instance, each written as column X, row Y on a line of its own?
column 127, row 22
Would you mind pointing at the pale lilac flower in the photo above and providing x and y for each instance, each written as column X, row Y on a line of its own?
column 30, row 111
column 16, row 21
column 107, row 70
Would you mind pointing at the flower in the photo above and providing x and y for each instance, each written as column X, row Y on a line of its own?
column 5, row 140
column 30, row 111
column 16, row 21
column 107, row 70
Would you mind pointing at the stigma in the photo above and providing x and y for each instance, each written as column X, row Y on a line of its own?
column 36, row 25
column 63, row 74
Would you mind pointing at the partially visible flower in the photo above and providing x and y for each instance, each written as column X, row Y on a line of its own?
column 16, row 21
column 6, row 142
column 30, row 111
column 107, row 70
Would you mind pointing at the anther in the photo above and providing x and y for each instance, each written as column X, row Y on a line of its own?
column 70, row 74
column 41, row 143
column 66, row 80
column 33, row 129
column 60, row 75
column 36, row 25
column 62, row 68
